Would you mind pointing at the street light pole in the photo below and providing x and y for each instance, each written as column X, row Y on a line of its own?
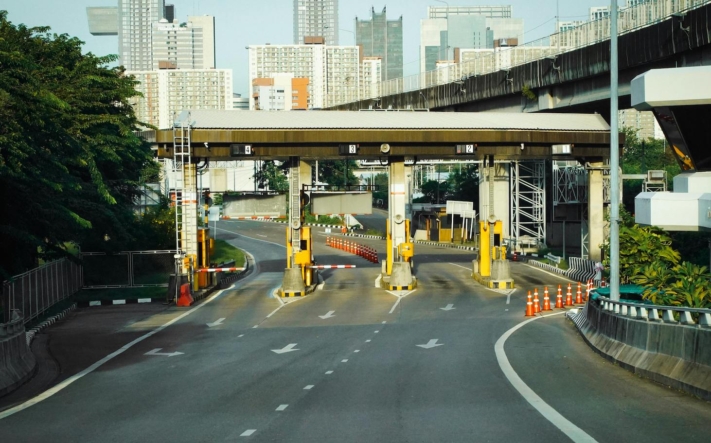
column 614, row 160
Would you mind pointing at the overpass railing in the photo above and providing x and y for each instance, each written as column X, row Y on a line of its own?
column 665, row 314
column 35, row 291
column 482, row 61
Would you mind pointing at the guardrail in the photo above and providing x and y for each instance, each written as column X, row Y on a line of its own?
column 588, row 33
column 642, row 311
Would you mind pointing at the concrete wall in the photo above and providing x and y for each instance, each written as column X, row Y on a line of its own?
column 675, row 355
column 17, row 363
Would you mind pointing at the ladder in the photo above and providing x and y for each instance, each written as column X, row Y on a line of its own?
column 184, row 189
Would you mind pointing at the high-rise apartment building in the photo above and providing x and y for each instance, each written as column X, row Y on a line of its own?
column 643, row 122
column 135, row 29
column 599, row 12
column 333, row 71
column 207, row 23
column 167, row 92
column 464, row 27
column 316, row 18
column 281, row 92
column 380, row 37
column 177, row 47
column 370, row 76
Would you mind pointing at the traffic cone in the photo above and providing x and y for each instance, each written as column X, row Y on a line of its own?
column 529, row 306
column 536, row 302
column 546, row 300
column 579, row 295
column 559, row 299
column 569, row 296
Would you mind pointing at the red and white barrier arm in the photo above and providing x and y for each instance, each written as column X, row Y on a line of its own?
column 331, row 267
column 219, row 269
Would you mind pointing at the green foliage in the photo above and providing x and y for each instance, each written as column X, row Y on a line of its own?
column 685, row 284
column 528, row 93
column 333, row 172
column 431, row 189
column 273, row 176
column 463, row 184
column 323, row 219
column 70, row 162
column 381, row 194
column 225, row 253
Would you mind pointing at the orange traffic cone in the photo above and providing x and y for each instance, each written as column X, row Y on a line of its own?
column 579, row 295
column 529, row 306
column 546, row 300
column 569, row 296
column 536, row 302
column 559, row 298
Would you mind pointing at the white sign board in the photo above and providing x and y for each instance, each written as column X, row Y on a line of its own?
column 214, row 214
column 457, row 208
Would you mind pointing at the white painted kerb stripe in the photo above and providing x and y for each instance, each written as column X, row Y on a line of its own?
column 573, row 432
column 50, row 392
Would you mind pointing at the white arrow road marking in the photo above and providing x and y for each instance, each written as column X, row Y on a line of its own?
column 431, row 344
column 282, row 407
column 329, row 314
column 217, row 322
column 285, row 349
column 449, row 307
column 163, row 354
column 400, row 295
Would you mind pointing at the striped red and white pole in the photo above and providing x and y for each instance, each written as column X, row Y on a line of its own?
column 219, row 269
column 331, row 267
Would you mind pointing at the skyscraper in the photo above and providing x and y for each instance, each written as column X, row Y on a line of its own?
column 464, row 27
column 382, row 38
column 316, row 18
column 178, row 47
column 207, row 23
column 135, row 27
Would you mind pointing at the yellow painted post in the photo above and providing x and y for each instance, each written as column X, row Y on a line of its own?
column 389, row 248
column 484, row 250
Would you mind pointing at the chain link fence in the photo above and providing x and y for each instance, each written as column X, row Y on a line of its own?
column 35, row 291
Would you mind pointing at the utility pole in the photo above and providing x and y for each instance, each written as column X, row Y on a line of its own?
column 614, row 160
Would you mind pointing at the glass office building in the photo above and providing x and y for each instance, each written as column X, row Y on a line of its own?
column 382, row 38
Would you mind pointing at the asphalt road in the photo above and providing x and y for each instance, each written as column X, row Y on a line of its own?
column 355, row 364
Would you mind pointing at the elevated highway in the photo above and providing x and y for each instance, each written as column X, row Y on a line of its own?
column 574, row 81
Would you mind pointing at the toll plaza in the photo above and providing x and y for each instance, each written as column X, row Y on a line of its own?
column 392, row 138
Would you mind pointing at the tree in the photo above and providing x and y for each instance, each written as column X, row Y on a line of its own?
column 431, row 190
column 273, row 176
column 70, row 159
column 381, row 194
column 333, row 172
column 464, row 184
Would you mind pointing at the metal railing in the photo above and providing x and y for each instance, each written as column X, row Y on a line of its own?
column 35, row 291
column 127, row 269
column 663, row 314
column 483, row 62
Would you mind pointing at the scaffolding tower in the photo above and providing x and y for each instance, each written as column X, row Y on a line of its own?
column 528, row 199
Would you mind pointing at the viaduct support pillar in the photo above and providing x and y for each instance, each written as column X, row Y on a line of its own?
column 596, row 211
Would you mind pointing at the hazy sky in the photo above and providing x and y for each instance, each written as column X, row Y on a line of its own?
column 243, row 22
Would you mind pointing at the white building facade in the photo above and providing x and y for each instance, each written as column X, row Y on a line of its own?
column 135, row 28
column 167, row 92
column 333, row 71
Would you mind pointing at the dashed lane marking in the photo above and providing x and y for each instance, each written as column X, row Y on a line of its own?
column 248, row 432
column 282, row 407
column 308, row 387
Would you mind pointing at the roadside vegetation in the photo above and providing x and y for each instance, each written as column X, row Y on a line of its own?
column 72, row 164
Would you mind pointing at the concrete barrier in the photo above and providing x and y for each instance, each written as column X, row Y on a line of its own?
column 671, row 353
column 17, row 363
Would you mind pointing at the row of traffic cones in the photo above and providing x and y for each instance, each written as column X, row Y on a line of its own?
column 533, row 304
column 366, row 252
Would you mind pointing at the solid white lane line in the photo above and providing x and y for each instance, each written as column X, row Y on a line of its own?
column 260, row 235
column 308, row 387
column 395, row 305
column 549, row 273
column 573, row 432
column 399, row 297
column 282, row 407
column 248, row 432
column 50, row 392
column 508, row 298
column 329, row 372
column 283, row 303
column 463, row 267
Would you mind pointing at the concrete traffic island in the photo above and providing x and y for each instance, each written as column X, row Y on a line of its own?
column 400, row 279
column 17, row 363
column 293, row 285
column 500, row 277
column 671, row 353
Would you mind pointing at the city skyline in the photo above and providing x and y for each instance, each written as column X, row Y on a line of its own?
column 240, row 25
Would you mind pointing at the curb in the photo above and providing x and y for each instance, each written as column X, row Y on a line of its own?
column 128, row 301
column 30, row 335
column 446, row 245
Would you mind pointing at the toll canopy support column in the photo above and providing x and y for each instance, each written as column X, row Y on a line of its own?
column 596, row 211
column 293, row 282
column 400, row 250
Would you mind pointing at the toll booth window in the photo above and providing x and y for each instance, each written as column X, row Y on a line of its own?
column 497, row 239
